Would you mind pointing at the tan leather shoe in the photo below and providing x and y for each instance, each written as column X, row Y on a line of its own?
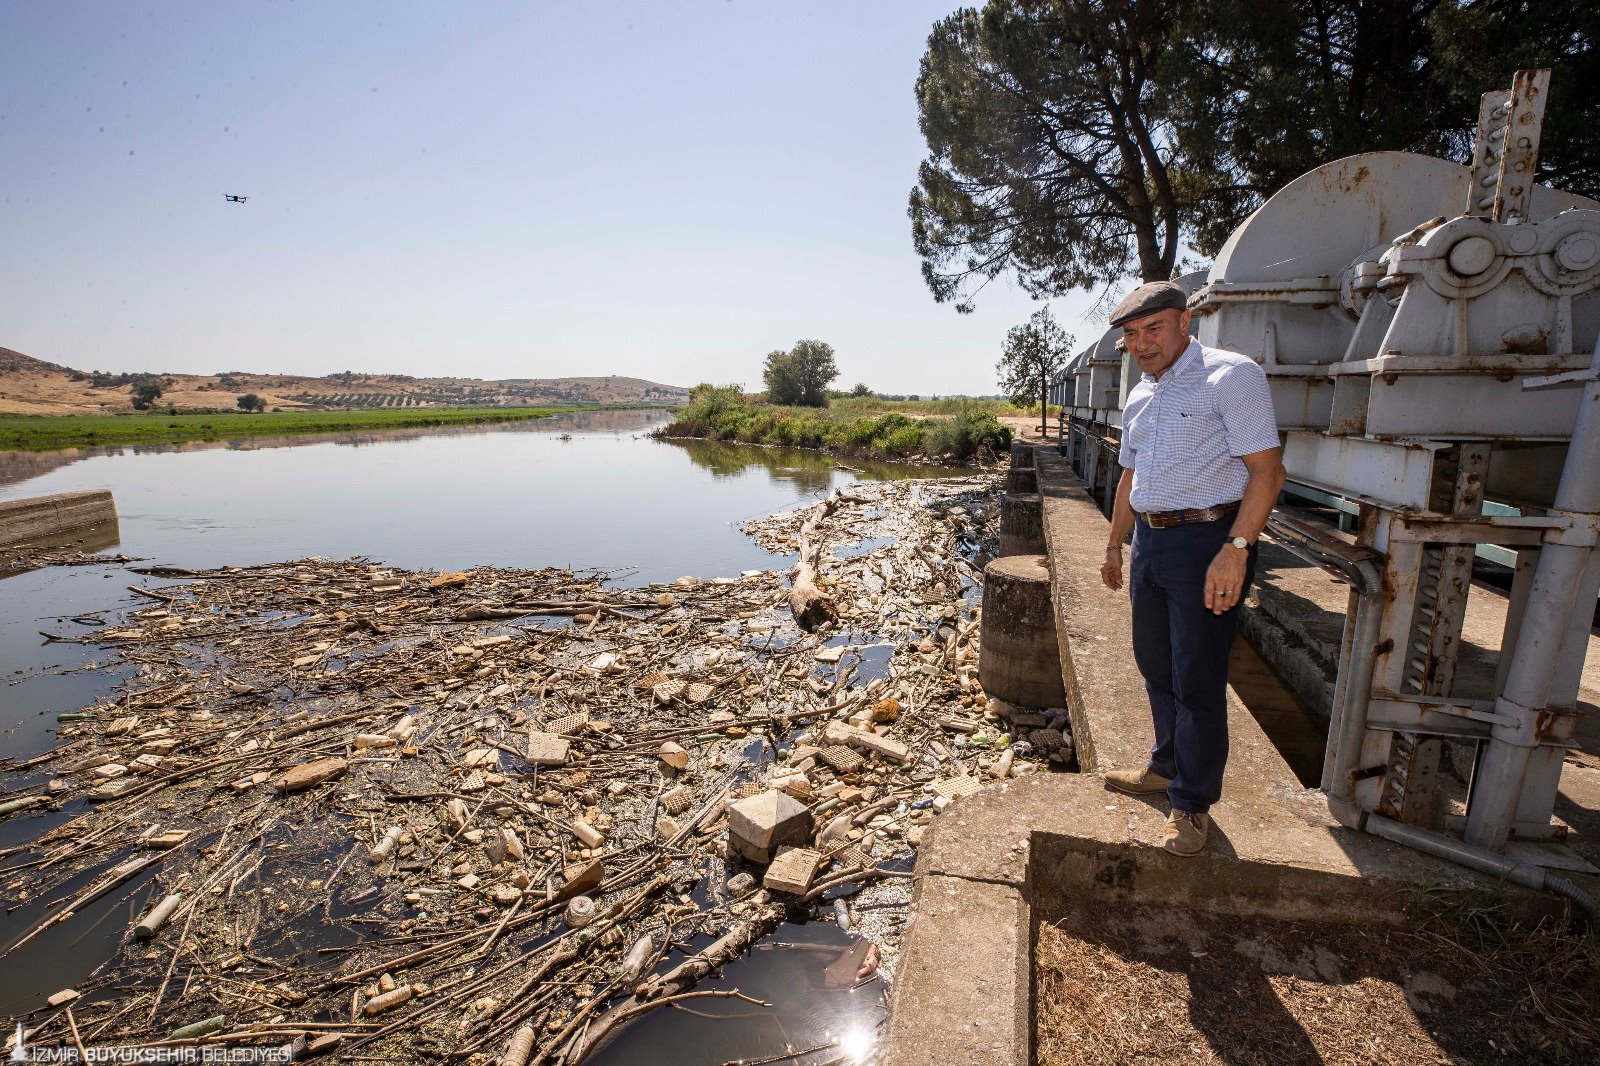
column 1139, row 782
column 1186, row 833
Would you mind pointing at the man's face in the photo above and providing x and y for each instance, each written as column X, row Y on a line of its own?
column 1156, row 340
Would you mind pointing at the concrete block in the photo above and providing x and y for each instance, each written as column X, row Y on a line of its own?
column 759, row 825
column 546, row 749
column 792, row 870
column 1022, row 480
column 49, row 517
column 1021, row 524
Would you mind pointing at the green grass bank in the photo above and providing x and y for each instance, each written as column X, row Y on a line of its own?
column 43, row 432
column 858, row 428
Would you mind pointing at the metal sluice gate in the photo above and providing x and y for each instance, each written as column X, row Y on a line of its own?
column 1431, row 334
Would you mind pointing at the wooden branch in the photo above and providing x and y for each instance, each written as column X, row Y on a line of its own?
column 609, row 1021
column 723, row 950
column 811, row 606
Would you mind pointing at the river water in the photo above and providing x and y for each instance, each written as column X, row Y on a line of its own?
column 590, row 491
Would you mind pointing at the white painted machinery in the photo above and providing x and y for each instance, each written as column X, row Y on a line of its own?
column 1431, row 333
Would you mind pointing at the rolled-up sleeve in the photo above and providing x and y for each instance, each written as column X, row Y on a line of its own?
column 1125, row 452
column 1245, row 403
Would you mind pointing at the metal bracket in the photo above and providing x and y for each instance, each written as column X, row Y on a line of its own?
column 1556, row 381
column 1322, row 547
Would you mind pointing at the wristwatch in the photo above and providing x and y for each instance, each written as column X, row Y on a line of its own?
column 1240, row 543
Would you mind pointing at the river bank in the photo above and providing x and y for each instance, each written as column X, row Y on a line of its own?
column 377, row 792
column 47, row 432
column 964, row 432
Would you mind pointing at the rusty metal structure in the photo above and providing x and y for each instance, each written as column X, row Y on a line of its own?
column 1431, row 334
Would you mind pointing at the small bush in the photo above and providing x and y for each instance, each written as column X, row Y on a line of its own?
column 855, row 428
column 904, row 441
column 966, row 433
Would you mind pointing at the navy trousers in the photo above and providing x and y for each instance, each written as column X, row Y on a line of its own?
column 1182, row 651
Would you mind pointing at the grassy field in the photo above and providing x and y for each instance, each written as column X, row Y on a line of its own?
column 40, row 432
column 864, row 427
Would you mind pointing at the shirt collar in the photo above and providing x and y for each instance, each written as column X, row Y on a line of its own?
column 1190, row 359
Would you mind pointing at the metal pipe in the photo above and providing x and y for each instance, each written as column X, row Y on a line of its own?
column 1347, row 717
column 1522, row 704
column 1481, row 859
column 1348, row 728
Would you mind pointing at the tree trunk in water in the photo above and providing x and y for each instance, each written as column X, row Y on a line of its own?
column 812, row 606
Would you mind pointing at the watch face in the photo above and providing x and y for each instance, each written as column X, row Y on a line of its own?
column 1240, row 542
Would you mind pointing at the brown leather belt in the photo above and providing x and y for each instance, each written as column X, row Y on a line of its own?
column 1165, row 519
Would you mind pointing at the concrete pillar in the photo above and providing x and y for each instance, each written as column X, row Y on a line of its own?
column 1022, row 524
column 1019, row 660
column 1021, row 480
column 1021, row 454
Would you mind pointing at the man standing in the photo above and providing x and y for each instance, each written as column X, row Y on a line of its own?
column 1201, row 470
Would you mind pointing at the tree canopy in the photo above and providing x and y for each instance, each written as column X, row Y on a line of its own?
column 1045, row 154
column 146, row 391
column 1072, row 143
column 801, row 376
column 1033, row 352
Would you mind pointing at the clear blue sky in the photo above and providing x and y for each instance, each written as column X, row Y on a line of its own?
column 665, row 190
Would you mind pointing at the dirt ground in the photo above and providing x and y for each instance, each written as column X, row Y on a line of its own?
column 1149, row 985
column 30, row 386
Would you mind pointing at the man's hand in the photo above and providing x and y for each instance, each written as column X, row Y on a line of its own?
column 1225, row 579
column 1111, row 569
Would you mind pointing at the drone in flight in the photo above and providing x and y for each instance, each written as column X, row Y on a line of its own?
column 232, row 199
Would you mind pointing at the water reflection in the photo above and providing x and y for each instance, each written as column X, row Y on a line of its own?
column 584, row 490
column 811, row 1008
column 810, row 472
column 19, row 466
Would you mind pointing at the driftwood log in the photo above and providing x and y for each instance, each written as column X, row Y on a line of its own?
column 812, row 607
column 724, row 949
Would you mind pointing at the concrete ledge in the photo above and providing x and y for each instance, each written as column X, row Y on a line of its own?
column 964, row 994
column 995, row 861
column 1105, row 694
column 44, row 517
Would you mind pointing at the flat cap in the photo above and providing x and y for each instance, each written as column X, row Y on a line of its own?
column 1147, row 298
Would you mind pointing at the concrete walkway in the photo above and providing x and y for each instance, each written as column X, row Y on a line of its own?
column 963, row 993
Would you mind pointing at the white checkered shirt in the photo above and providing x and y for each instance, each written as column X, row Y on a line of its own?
column 1182, row 436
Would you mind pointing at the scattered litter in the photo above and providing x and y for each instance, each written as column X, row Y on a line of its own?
column 517, row 791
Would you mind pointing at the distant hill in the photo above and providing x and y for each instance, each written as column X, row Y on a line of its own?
column 16, row 363
column 33, row 386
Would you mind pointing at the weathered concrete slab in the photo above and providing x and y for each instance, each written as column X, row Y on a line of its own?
column 964, row 986
column 49, row 517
